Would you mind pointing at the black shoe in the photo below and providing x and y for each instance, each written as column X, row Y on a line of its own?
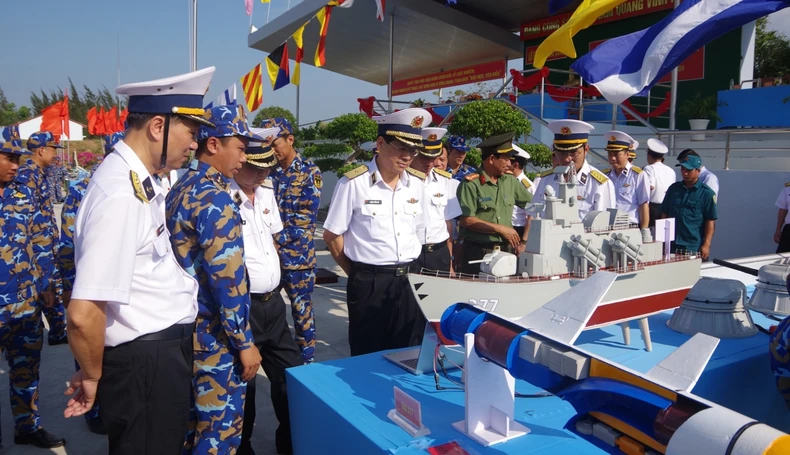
column 54, row 342
column 39, row 438
column 96, row 425
column 245, row 449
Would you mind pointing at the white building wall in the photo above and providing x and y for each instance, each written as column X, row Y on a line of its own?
column 33, row 125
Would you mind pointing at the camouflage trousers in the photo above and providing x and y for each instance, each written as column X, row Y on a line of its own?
column 299, row 286
column 56, row 317
column 780, row 358
column 21, row 337
column 217, row 416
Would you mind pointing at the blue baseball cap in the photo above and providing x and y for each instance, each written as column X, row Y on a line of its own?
column 279, row 122
column 13, row 149
column 42, row 139
column 228, row 121
column 458, row 143
column 691, row 162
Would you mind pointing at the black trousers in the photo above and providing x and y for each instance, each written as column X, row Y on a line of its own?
column 382, row 311
column 784, row 240
column 471, row 251
column 438, row 259
column 520, row 231
column 145, row 391
column 655, row 213
column 278, row 351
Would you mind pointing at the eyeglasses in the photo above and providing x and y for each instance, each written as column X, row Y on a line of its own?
column 411, row 151
column 574, row 154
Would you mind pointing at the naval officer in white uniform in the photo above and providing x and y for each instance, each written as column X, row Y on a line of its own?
column 132, row 311
column 519, row 220
column 440, row 204
column 659, row 177
column 373, row 231
column 595, row 190
column 630, row 184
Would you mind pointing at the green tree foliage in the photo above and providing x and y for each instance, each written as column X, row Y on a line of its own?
column 272, row 112
column 482, row 119
column 9, row 113
column 539, row 155
column 771, row 51
column 473, row 158
column 344, row 136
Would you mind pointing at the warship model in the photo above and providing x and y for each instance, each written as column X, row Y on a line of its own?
column 561, row 252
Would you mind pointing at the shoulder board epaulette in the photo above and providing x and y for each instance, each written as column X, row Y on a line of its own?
column 443, row 173
column 598, row 176
column 138, row 187
column 237, row 198
column 356, row 172
column 636, row 169
column 547, row 172
column 416, row 173
column 471, row 177
column 606, row 171
column 527, row 183
column 267, row 184
column 787, row 184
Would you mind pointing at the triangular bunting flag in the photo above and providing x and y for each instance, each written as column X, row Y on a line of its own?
column 296, row 78
column 252, row 84
column 323, row 19
column 278, row 66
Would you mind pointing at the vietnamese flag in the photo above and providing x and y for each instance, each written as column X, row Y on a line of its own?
column 111, row 120
column 51, row 118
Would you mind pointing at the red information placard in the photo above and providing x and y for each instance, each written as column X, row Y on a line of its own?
column 459, row 76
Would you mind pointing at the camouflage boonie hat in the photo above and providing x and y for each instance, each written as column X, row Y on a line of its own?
column 42, row 139
column 13, row 149
column 228, row 121
column 111, row 139
column 279, row 122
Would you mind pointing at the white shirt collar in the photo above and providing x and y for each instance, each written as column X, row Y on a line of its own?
column 234, row 189
column 373, row 169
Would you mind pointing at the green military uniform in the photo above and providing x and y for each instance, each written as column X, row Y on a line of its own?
column 690, row 207
column 489, row 201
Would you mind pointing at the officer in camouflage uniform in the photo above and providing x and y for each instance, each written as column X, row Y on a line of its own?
column 43, row 148
column 56, row 174
column 26, row 250
column 297, row 187
column 65, row 259
column 206, row 230
column 456, row 153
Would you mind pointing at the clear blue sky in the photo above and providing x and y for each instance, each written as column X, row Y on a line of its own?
column 56, row 39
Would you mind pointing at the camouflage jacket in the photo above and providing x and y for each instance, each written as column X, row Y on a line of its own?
column 205, row 231
column 298, row 193
column 462, row 172
column 24, row 245
column 65, row 255
column 31, row 175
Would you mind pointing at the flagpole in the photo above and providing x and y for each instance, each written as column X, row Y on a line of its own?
column 193, row 63
column 297, row 103
column 673, row 101
column 392, row 59
column 268, row 10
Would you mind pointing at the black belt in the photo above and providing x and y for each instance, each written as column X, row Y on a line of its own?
column 395, row 269
column 174, row 332
column 654, row 204
column 265, row 297
column 489, row 246
column 434, row 247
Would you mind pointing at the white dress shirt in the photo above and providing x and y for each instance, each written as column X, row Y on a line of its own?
column 520, row 214
column 783, row 202
column 441, row 205
column 709, row 178
column 592, row 194
column 260, row 221
column 123, row 254
column 631, row 190
column 379, row 225
column 659, row 177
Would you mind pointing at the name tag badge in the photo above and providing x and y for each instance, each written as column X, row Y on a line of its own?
column 160, row 230
column 485, row 199
column 373, row 202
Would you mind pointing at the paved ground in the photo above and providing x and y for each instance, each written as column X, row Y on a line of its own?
column 57, row 366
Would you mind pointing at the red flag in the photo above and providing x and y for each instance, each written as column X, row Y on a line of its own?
column 51, row 118
column 100, row 130
column 64, row 115
column 111, row 120
column 122, row 120
column 323, row 17
column 92, row 121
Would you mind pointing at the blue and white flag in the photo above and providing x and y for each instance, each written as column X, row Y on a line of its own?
column 227, row 97
column 631, row 64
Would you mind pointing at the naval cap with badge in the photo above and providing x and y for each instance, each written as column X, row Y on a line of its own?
column 42, row 139
column 404, row 125
column 657, row 146
column 500, row 145
column 259, row 151
column 569, row 135
column 12, row 148
column 227, row 121
column 618, row 141
column 432, row 141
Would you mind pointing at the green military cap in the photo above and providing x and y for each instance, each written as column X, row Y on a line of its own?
column 501, row 144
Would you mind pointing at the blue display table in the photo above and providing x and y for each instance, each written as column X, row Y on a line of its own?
column 341, row 406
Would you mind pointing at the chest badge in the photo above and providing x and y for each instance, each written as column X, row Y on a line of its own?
column 412, row 201
column 579, row 198
column 438, row 195
column 625, row 185
column 265, row 211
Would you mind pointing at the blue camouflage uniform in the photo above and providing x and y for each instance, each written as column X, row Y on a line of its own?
column 55, row 175
column 459, row 143
column 206, row 234
column 65, row 252
column 298, row 193
column 26, row 250
column 36, row 179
